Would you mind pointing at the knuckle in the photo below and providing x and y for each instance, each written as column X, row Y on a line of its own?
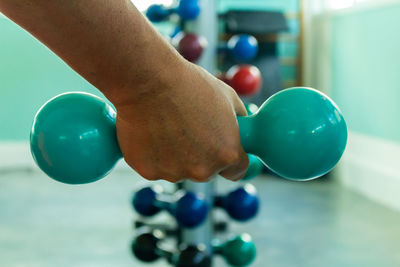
column 199, row 173
column 228, row 156
column 148, row 173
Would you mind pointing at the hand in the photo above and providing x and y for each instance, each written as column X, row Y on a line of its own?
column 183, row 125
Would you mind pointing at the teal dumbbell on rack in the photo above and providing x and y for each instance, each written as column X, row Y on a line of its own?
column 299, row 133
column 255, row 168
column 255, row 165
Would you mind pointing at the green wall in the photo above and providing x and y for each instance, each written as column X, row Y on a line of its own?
column 30, row 74
column 365, row 70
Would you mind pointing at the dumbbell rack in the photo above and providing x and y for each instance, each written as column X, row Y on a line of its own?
column 206, row 26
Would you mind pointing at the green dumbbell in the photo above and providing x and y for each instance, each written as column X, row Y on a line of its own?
column 255, row 168
column 238, row 251
column 73, row 138
column 255, row 165
column 299, row 133
column 251, row 108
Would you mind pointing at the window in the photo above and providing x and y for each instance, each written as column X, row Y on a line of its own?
column 339, row 4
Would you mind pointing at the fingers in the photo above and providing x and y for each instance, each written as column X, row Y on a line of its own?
column 237, row 170
column 239, row 107
column 235, row 100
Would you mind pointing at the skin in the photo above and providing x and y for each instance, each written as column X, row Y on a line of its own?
column 175, row 120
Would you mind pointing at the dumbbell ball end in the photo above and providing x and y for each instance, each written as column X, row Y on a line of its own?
column 73, row 138
column 299, row 133
column 238, row 251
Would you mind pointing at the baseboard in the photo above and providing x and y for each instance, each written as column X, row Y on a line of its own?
column 371, row 166
column 16, row 156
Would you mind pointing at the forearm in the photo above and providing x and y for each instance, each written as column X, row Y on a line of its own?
column 108, row 42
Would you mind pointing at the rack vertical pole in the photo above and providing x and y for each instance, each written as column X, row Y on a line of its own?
column 206, row 26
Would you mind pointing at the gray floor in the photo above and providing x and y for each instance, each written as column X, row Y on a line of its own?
column 44, row 223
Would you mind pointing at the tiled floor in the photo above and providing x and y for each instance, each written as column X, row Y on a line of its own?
column 44, row 223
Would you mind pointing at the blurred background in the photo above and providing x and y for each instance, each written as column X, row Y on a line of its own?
column 348, row 49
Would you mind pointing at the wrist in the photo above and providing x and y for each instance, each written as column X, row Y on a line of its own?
column 156, row 77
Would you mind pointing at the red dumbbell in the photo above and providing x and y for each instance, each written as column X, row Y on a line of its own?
column 245, row 79
column 189, row 45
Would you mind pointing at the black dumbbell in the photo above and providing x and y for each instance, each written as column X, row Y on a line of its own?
column 147, row 248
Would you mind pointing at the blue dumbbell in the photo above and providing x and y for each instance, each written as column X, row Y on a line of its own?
column 241, row 204
column 186, row 10
column 242, row 47
column 189, row 209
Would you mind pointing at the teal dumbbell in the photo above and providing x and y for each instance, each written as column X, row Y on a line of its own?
column 255, row 165
column 299, row 133
column 73, row 138
column 251, row 108
column 237, row 251
column 255, row 168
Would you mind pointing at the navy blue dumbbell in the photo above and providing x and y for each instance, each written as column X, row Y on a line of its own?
column 186, row 10
column 189, row 209
column 242, row 47
column 241, row 204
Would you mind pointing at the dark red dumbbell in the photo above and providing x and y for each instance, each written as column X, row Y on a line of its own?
column 189, row 45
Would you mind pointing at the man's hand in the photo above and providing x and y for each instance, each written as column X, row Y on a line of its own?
column 175, row 120
column 184, row 126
